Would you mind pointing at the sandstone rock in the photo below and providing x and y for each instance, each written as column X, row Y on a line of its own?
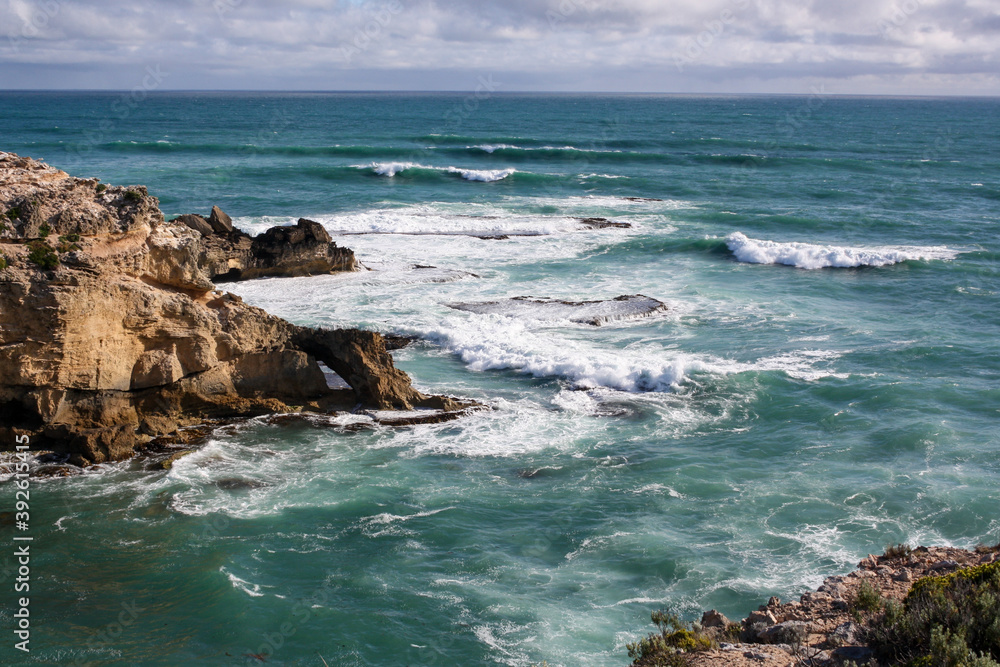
column 903, row 575
column 220, row 222
column 764, row 617
column 944, row 565
column 757, row 655
column 302, row 249
column 196, row 222
column 789, row 632
column 360, row 358
column 845, row 633
column 126, row 340
column 714, row 619
column 169, row 462
column 294, row 250
column 156, row 368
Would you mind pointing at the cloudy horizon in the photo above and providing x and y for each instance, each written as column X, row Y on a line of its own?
column 892, row 47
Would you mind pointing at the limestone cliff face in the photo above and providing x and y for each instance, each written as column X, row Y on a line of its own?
column 112, row 332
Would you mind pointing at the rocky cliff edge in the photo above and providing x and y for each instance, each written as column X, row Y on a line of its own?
column 112, row 332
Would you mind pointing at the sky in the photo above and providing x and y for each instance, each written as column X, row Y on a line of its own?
column 888, row 47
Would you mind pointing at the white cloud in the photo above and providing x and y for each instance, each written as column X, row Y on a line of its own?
column 858, row 45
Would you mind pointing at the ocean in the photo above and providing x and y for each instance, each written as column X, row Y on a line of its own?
column 824, row 380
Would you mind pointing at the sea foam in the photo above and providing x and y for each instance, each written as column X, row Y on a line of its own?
column 495, row 342
column 813, row 256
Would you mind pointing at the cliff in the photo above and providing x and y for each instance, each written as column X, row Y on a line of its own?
column 112, row 332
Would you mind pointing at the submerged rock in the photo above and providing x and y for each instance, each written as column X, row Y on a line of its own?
column 594, row 313
column 604, row 223
column 237, row 484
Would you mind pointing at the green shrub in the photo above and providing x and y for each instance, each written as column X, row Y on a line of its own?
column 44, row 231
column 947, row 621
column 101, row 187
column 894, row 551
column 42, row 254
column 3, row 262
column 866, row 600
column 14, row 212
column 668, row 647
column 67, row 243
column 132, row 196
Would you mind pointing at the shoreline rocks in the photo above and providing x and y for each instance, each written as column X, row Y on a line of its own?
column 112, row 332
column 821, row 627
column 229, row 254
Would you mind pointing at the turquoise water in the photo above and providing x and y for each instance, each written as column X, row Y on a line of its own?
column 824, row 383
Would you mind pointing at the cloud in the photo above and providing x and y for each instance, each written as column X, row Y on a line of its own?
column 860, row 46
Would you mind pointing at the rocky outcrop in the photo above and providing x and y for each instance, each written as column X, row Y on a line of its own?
column 112, row 332
column 822, row 627
column 302, row 249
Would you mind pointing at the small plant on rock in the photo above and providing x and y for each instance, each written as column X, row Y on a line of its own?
column 44, row 231
column 866, row 600
column 42, row 255
column 668, row 647
column 897, row 551
column 101, row 187
column 132, row 196
column 68, row 242
column 3, row 262
column 14, row 212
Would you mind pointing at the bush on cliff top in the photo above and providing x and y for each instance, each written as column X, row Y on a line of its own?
column 667, row 648
column 946, row 621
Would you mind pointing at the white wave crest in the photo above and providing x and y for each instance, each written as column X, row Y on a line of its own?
column 253, row 590
column 812, row 256
column 390, row 169
column 484, row 175
column 490, row 148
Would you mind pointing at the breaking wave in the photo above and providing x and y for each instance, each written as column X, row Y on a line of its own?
column 814, row 256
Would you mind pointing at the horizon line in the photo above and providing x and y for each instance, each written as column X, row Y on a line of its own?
column 501, row 93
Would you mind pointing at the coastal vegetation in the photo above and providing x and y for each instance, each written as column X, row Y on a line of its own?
column 670, row 645
column 947, row 620
column 910, row 607
column 42, row 255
